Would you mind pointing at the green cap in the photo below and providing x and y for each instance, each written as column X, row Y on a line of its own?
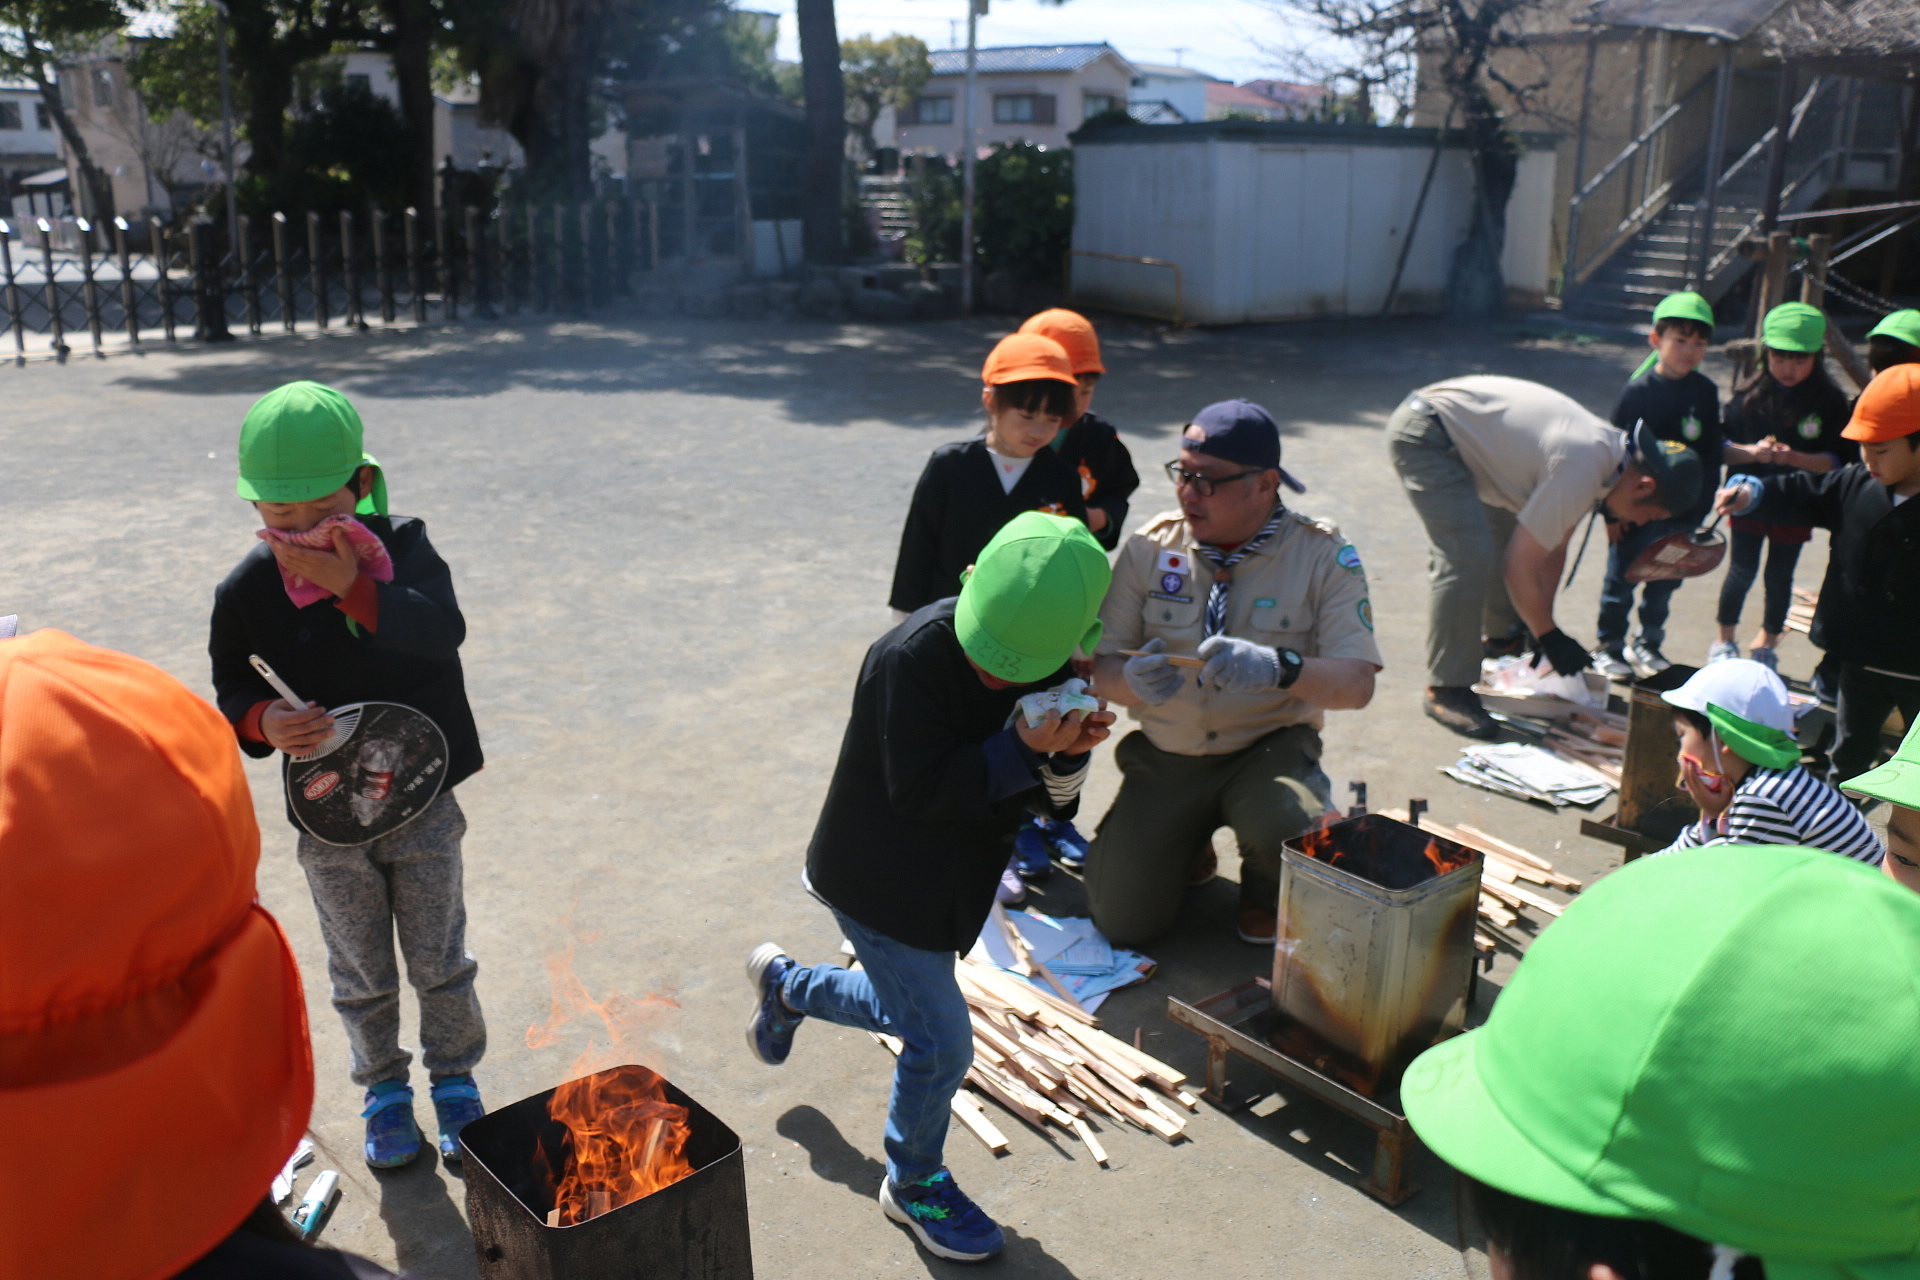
column 1898, row 780
column 303, row 441
column 1794, row 326
column 1685, row 305
column 1901, row 325
column 1033, row 597
column 1725, row 1040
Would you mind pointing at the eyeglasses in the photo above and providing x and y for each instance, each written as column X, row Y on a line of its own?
column 1205, row 485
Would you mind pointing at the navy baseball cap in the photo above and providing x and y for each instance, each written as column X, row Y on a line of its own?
column 1239, row 431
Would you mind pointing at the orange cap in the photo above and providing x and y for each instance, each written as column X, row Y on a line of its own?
column 155, row 1070
column 1024, row 357
column 1889, row 408
column 1074, row 332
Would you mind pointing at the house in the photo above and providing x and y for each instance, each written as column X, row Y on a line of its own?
column 1226, row 101
column 1677, row 109
column 1300, row 100
column 1028, row 93
column 28, row 146
column 1168, row 94
column 151, row 165
column 457, row 131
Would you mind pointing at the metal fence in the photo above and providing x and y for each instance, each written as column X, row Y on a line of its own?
column 133, row 283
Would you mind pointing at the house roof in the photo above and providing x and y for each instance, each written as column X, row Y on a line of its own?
column 1286, row 93
column 1226, row 97
column 1014, row 59
column 1727, row 19
column 1155, row 112
column 1168, row 71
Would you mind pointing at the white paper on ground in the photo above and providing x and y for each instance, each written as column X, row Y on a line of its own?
column 283, row 1181
column 1079, row 955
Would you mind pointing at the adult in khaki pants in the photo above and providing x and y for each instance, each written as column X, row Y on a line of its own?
column 1276, row 603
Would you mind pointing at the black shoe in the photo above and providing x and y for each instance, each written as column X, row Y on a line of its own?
column 1517, row 640
column 1458, row 708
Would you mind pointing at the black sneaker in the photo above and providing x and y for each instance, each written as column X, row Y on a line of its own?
column 1458, row 708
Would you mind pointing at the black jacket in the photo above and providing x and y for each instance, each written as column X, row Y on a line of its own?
column 1091, row 448
column 1808, row 416
column 929, row 792
column 1869, row 609
column 413, row 658
column 1683, row 409
column 957, row 508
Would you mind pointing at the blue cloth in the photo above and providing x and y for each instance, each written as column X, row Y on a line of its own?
column 905, row 992
column 1616, row 593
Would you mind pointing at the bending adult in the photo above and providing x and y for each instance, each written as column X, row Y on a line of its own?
column 1709, row 1067
column 1276, row 604
column 1501, row 471
column 155, row 1071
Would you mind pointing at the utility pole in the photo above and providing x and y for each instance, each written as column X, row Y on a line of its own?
column 974, row 9
column 226, row 127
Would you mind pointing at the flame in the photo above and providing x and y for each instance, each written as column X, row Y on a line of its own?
column 624, row 1139
column 1318, row 843
column 1442, row 861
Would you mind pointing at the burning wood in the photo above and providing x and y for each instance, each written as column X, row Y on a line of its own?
column 1504, row 866
column 1043, row 1059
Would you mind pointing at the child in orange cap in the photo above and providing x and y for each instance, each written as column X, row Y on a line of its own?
column 1869, row 612
column 972, row 488
column 1088, row 443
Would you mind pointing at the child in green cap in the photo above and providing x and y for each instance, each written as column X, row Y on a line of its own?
column 1898, row 783
column 1708, row 1069
column 348, row 604
column 1676, row 402
column 1895, row 340
column 1790, row 415
column 938, row 767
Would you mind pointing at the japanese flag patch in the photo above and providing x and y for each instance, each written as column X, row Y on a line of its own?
column 1173, row 568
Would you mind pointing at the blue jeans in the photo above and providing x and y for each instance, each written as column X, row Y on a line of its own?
column 906, row 992
column 1616, row 593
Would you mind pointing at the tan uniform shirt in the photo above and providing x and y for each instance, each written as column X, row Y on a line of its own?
column 1531, row 450
column 1303, row 590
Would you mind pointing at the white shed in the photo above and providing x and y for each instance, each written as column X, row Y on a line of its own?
column 1286, row 220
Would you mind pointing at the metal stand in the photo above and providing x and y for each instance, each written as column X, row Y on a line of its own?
column 1227, row 1019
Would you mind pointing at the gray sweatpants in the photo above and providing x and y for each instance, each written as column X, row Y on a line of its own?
column 406, row 883
column 1467, row 551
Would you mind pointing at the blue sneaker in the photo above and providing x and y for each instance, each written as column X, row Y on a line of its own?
column 1033, row 852
column 393, row 1139
column 456, row 1104
column 1068, row 845
column 947, row 1223
column 770, row 1031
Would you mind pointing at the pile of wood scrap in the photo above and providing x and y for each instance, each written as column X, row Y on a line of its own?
column 1506, row 871
column 1800, row 612
column 1592, row 737
column 1045, row 1060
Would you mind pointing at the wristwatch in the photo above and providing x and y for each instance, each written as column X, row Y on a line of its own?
column 1290, row 665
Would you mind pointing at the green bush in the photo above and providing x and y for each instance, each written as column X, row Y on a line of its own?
column 1023, row 212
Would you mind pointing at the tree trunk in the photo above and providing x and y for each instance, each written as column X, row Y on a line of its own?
column 265, row 66
column 411, row 47
column 1476, row 286
column 98, row 188
column 822, row 227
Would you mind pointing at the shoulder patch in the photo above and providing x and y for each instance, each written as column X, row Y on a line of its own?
column 1365, row 610
column 1349, row 559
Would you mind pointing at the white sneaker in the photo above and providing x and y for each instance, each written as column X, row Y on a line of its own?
column 1612, row 664
column 1722, row 650
column 1647, row 659
column 1766, row 657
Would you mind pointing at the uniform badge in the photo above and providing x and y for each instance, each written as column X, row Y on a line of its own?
column 1690, row 425
column 1365, row 609
column 1810, row 427
column 1349, row 559
column 1172, row 582
column 1173, row 562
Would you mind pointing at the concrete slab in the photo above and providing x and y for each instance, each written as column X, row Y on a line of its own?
column 672, row 540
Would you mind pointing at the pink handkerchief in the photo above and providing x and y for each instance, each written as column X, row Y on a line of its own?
column 374, row 560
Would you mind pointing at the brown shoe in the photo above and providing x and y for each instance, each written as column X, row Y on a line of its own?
column 1458, row 708
column 1205, row 867
column 1257, row 926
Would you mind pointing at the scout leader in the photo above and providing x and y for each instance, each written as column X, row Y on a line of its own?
column 1276, row 602
column 342, row 622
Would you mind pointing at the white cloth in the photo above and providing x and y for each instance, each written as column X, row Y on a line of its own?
column 1008, row 469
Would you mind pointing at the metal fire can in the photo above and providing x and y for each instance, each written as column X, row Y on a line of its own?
column 1374, row 951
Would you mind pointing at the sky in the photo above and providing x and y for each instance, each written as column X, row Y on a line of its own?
column 1216, row 36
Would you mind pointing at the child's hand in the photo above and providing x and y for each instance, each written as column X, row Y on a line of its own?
column 332, row 568
column 1709, row 792
column 1076, row 734
column 293, row 730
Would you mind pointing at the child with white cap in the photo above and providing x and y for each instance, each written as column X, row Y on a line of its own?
column 1740, row 764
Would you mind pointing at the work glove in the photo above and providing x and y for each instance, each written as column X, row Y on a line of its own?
column 1150, row 675
column 1239, row 666
column 1567, row 656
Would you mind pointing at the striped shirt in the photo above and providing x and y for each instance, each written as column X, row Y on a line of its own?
column 1788, row 806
